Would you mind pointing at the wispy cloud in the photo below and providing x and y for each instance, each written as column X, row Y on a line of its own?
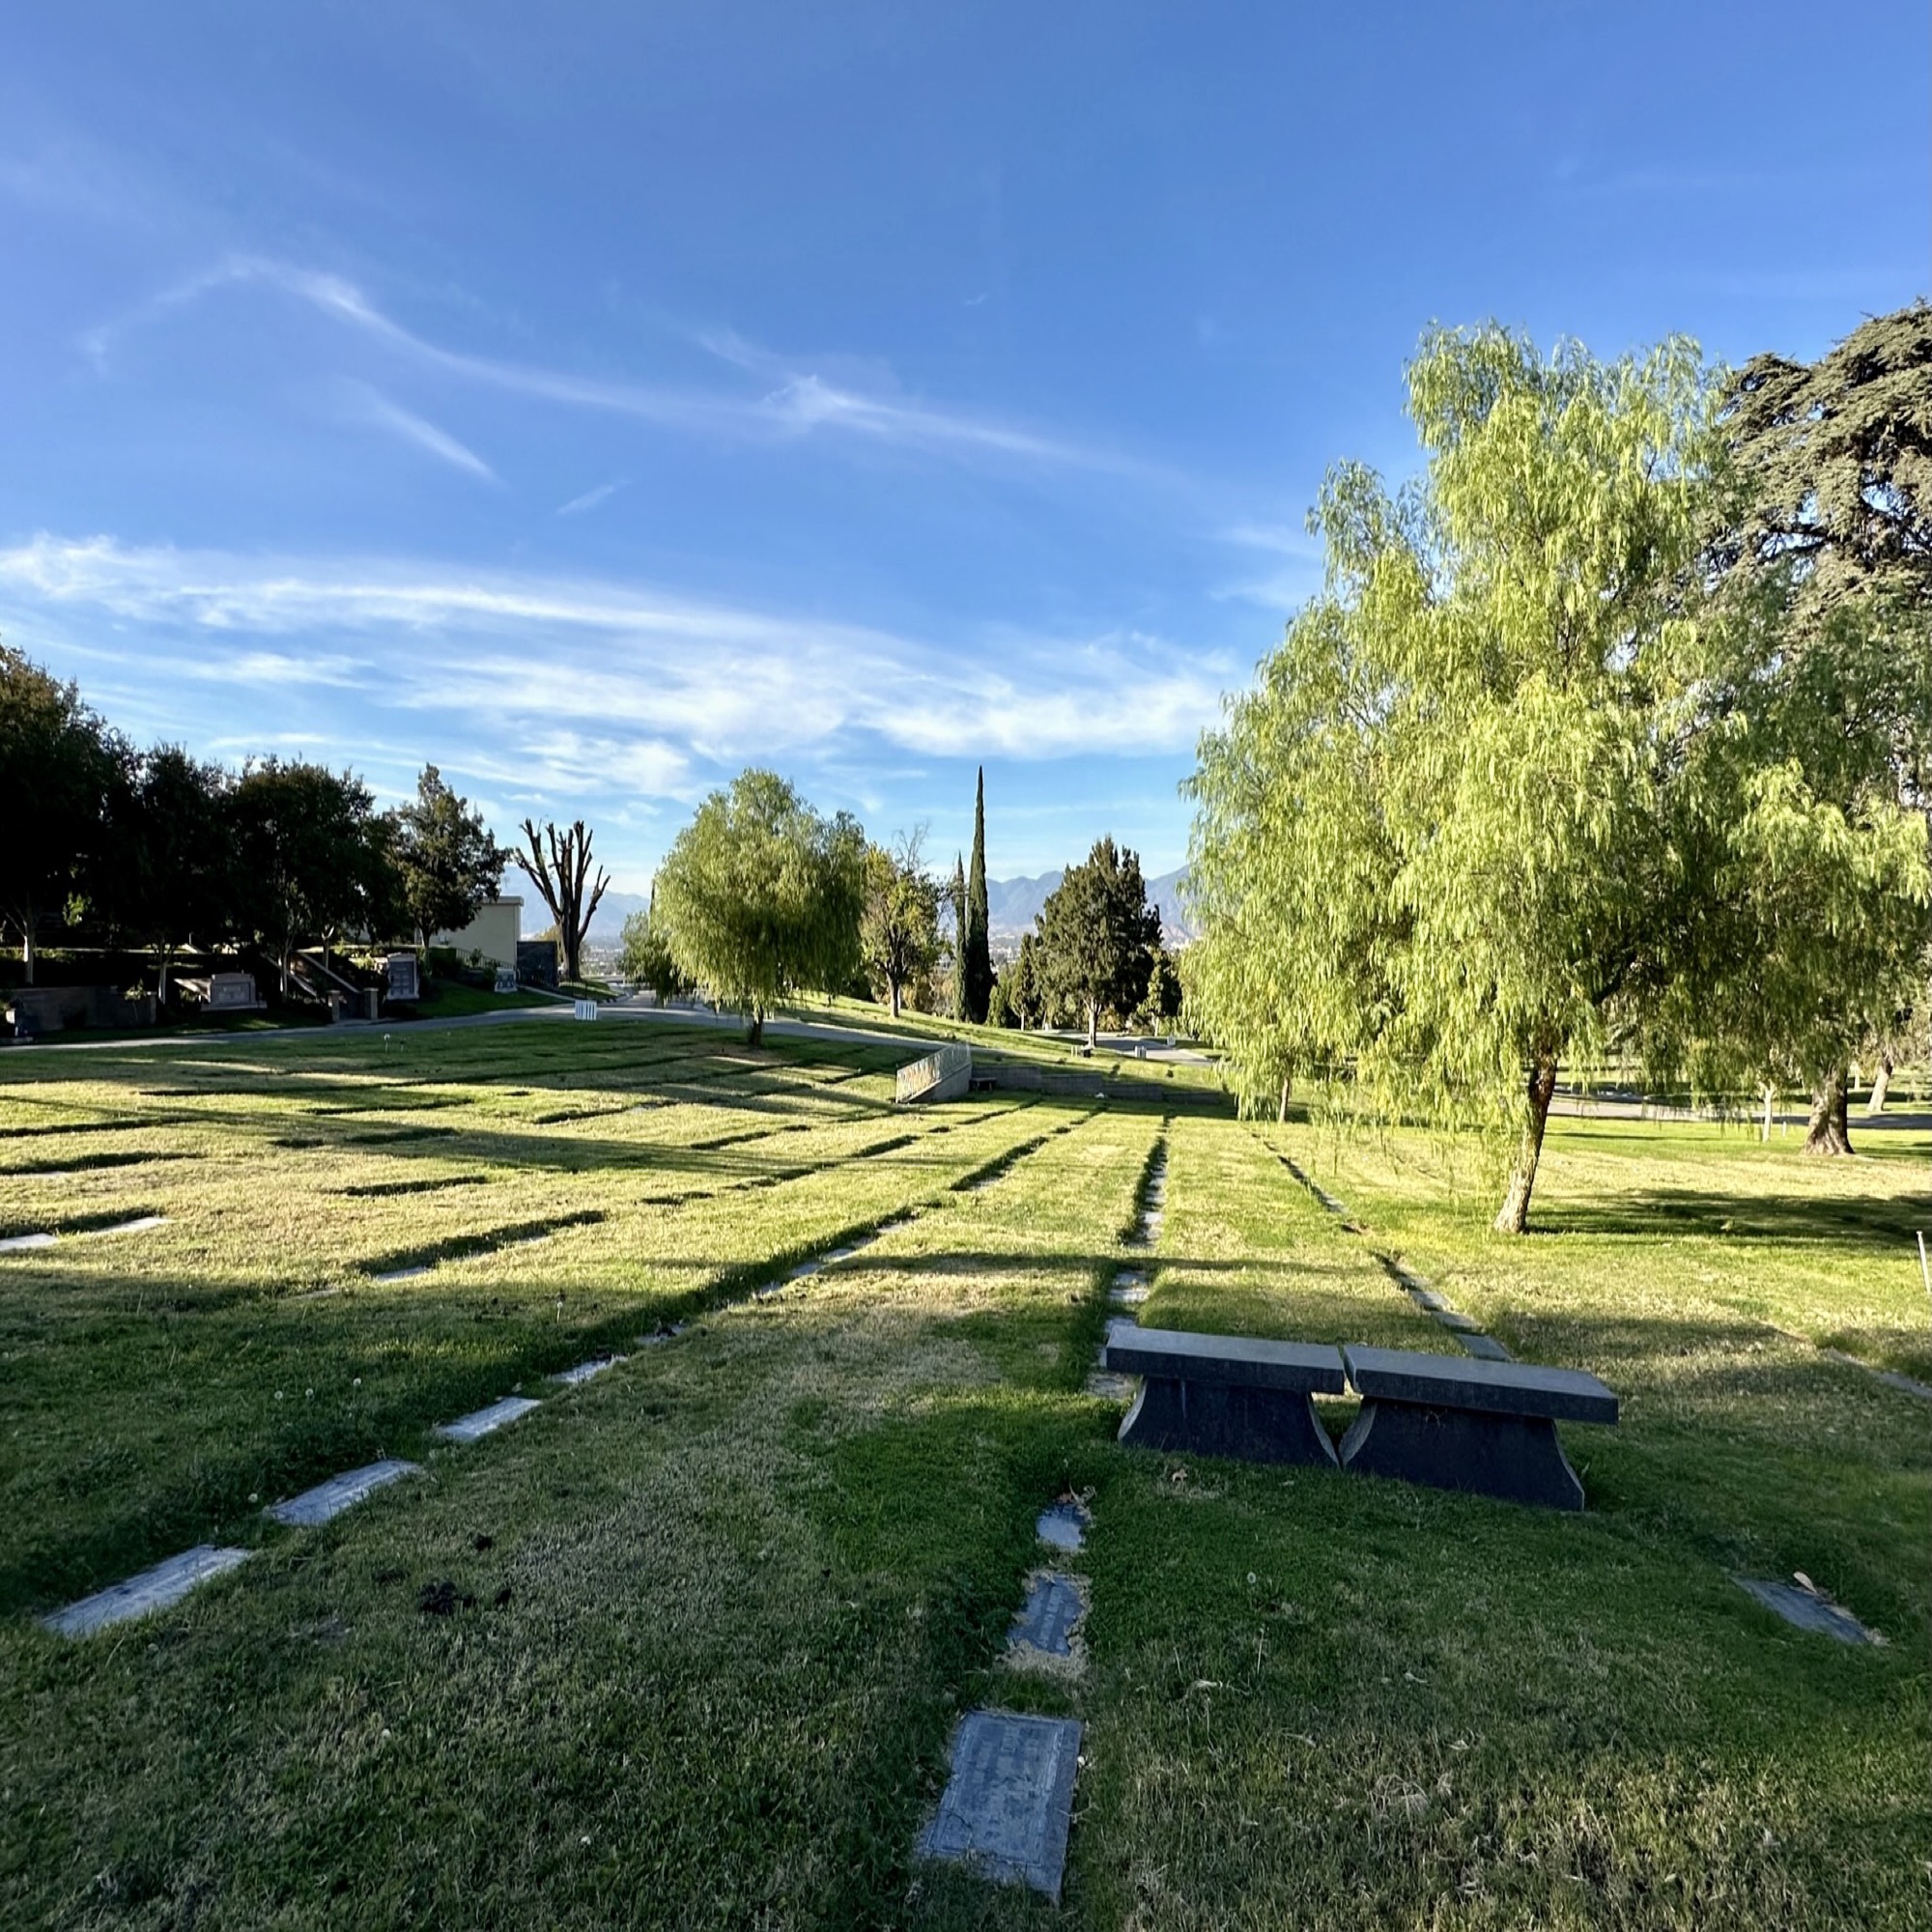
column 793, row 402
column 369, row 404
column 590, row 498
column 651, row 682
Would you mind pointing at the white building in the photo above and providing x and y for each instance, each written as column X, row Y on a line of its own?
column 494, row 933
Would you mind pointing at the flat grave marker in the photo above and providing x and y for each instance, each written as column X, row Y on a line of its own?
column 1047, row 1627
column 483, row 1422
column 1062, row 1527
column 1008, row 1804
column 1809, row 1610
column 340, row 1492
column 155, row 1589
column 572, row 1378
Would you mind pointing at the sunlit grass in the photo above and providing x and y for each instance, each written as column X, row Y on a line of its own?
column 714, row 1613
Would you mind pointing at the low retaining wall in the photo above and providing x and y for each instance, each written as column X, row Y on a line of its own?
column 944, row 1075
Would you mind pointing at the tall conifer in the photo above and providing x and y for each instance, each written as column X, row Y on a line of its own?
column 976, row 951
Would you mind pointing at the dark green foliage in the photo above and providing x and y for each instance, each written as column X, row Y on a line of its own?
column 646, row 956
column 1025, row 991
column 955, row 898
column 1098, row 934
column 447, row 863
column 173, row 855
column 1833, row 465
column 313, row 857
column 60, row 768
column 1822, row 545
column 976, row 961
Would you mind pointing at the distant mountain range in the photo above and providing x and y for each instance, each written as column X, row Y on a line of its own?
column 1012, row 907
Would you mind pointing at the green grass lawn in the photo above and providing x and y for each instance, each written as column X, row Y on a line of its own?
column 713, row 1615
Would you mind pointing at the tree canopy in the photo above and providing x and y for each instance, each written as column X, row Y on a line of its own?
column 1487, row 805
column 1097, row 936
column 898, row 929
column 313, row 856
column 60, row 766
column 447, row 863
column 761, row 896
column 173, row 870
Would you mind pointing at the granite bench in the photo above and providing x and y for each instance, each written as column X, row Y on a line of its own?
column 1226, row 1395
column 1459, row 1424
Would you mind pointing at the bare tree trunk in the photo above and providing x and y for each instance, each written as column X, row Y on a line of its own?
column 27, row 945
column 1830, row 1128
column 1281, row 1113
column 1770, row 1102
column 1881, row 1082
column 1513, row 1217
column 892, row 987
column 755, row 1025
column 1092, row 1025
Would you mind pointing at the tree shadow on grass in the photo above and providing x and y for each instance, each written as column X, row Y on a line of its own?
column 1871, row 1221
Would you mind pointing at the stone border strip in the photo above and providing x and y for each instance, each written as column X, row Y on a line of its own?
column 1890, row 1377
column 17, row 1245
column 1472, row 1339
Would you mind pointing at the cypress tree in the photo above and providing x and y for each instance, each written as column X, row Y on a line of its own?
column 976, row 953
column 955, row 898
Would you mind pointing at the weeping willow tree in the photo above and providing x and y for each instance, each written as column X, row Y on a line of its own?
column 1499, row 798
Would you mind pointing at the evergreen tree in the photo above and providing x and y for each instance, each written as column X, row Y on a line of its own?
column 955, row 898
column 976, row 957
column 60, row 768
column 448, row 865
column 1098, row 935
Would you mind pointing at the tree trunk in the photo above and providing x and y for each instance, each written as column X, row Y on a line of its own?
column 892, row 989
column 1092, row 1025
column 27, row 944
column 1770, row 1102
column 1281, row 1113
column 1881, row 1081
column 755, row 1025
column 1513, row 1217
column 1830, row 1128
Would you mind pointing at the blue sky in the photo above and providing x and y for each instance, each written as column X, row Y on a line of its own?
column 596, row 399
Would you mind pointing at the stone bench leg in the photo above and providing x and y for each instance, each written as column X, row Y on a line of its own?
column 1212, row 1419
column 1514, row 1457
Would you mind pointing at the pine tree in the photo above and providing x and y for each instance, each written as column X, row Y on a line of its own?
column 976, row 954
